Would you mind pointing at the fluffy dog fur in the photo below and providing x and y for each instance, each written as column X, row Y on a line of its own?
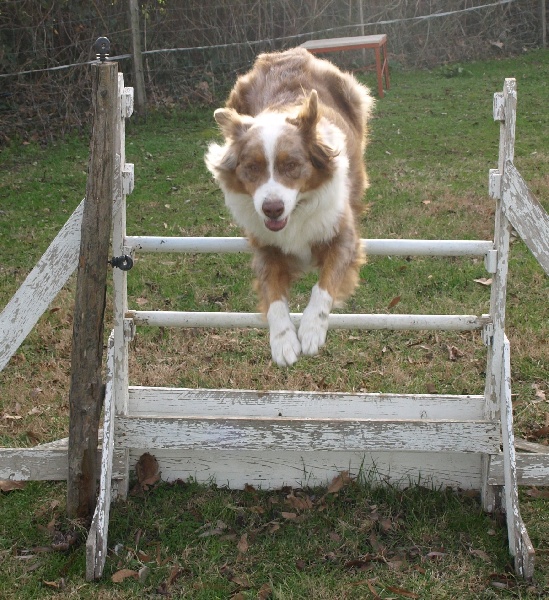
column 293, row 176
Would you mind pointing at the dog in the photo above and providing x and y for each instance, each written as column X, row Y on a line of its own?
column 293, row 176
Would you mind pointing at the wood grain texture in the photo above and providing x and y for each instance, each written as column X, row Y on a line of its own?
column 40, row 287
column 307, row 434
column 86, row 385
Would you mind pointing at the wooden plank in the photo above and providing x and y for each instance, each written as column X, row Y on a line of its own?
column 526, row 215
column 119, row 277
column 137, row 62
column 277, row 468
column 504, row 111
column 155, row 401
column 520, row 545
column 307, row 434
column 31, row 464
column 527, row 446
column 40, row 287
column 96, row 544
column 531, row 469
column 160, row 318
column 42, row 463
column 86, row 385
column 345, row 43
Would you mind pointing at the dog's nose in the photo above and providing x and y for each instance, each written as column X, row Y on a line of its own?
column 273, row 208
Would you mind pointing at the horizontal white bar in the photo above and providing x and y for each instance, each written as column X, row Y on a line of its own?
column 381, row 247
column 160, row 318
column 172, row 402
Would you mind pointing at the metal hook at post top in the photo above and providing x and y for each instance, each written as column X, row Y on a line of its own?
column 102, row 48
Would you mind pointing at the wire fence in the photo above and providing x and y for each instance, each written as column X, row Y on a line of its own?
column 193, row 50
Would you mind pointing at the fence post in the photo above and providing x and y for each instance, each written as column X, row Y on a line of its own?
column 543, row 19
column 137, row 61
column 86, row 386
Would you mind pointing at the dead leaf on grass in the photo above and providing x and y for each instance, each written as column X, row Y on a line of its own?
column 240, row 580
column 299, row 502
column 502, row 582
column 147, row 471
column 300, row 565
column 7, row 485
column 119, row 576
column 535, row 493
column 483, row 281
column 56, row 585
column 401, row 592
column 216, row 529
column 265, row 591
column 393, row 302
column 243, row 545
column 481, row 554
column 291, row 516
column 435, row 555
column 539, row 393
column 538, row 433
column 454, row 353
column 339, row 482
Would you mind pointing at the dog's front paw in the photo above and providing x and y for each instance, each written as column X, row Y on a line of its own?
column 314, row 322
column 285, row 347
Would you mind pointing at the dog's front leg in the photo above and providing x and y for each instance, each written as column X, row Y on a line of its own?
column 275, row 272
column 340, row 262
column 285, row 346
column 314, row 322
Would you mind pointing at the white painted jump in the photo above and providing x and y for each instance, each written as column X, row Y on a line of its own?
column 226, row 320
column 272, row 438
column 382, row 247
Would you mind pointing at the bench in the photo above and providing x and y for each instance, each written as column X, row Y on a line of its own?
column 377, row 42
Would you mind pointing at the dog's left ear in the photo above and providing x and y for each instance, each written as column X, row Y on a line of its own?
column 308, row 116
column 231, row 123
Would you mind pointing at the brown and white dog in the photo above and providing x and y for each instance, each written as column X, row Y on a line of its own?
column 293, row 176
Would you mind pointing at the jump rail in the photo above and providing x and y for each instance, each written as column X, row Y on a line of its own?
column 270, row 438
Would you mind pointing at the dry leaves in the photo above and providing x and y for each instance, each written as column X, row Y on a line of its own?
column 148, row 473
column 393, row 302
column 123, row 574
column 339, row 482
column 7, row 485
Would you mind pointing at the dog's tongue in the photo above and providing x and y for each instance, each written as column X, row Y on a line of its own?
column 275, row 225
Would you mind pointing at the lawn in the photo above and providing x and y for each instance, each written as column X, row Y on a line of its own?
column 432, row 142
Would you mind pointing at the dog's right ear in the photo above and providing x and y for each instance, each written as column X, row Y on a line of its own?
column 232, row 124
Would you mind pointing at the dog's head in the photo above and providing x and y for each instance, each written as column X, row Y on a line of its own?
column 273, row 158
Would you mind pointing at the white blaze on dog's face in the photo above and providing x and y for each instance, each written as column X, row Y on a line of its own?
column 271, row 158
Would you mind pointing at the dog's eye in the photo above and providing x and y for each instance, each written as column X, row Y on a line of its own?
column 251, row 170
column 291, row 168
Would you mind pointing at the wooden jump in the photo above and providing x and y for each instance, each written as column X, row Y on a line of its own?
column 376, row 42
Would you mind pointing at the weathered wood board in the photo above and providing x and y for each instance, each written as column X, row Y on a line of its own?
column 158, row 401
column 96, row 544
column 307, row 434
column 40, row 287
column 277, row 468
column 526, row 215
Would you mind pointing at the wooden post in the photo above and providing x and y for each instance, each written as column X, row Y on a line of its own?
column 86, row 387
column 543, row 19
column 138, row 78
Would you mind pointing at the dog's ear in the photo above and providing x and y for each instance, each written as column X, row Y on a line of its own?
column 232, row 124
column 308, row 115
column 320, row 153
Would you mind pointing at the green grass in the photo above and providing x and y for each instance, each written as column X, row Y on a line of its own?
column 432, row 142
